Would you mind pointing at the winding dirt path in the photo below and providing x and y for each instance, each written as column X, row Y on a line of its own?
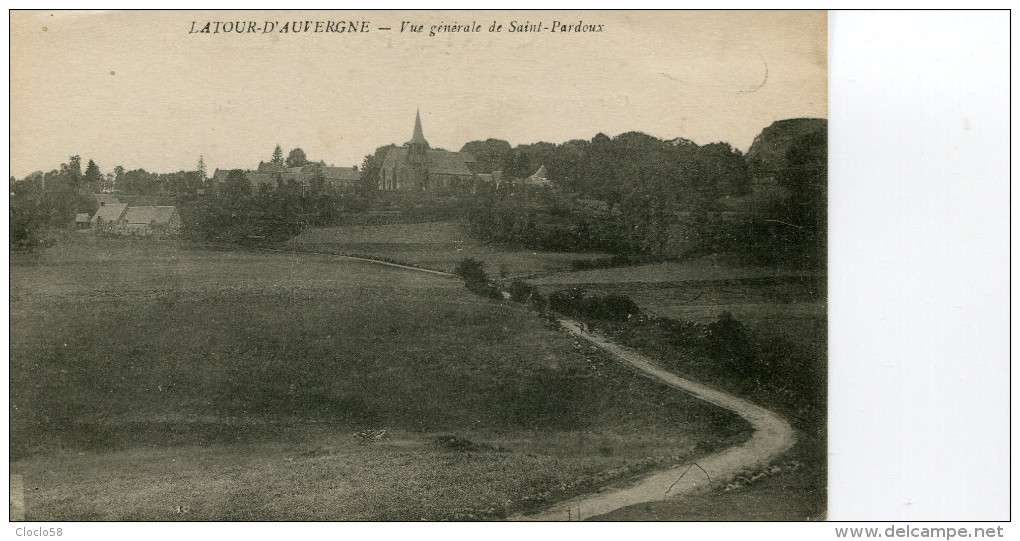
column 772, row 436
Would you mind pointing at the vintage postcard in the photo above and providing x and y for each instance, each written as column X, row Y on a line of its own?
column 418, row 265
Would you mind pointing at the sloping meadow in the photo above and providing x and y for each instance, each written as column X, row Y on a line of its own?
column 165, row 381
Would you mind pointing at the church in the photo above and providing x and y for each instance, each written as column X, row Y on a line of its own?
column 416, row 166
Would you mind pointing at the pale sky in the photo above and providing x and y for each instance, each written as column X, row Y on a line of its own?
column 136, row 89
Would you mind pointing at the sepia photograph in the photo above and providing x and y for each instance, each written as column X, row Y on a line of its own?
column 418, row 265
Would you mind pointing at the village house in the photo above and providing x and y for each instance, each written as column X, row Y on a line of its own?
column 109, row 217
column 148, row 221
column 416, row 166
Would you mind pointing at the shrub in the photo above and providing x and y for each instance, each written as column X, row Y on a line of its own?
column 577, row 302
column 615, row 307
column 521, row 291
column 471, row 270
column 475, row 279
column 728, row 340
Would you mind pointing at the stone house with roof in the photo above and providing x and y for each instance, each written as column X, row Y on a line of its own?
column 148, row 221
column 109, row 217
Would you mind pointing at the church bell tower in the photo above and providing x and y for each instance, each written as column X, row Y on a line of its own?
column 417, row 146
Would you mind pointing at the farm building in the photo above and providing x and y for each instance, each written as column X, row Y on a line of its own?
column 417, row 166
column 82, row 220
column 220, row 176
column 151, row 221
column 109, row 216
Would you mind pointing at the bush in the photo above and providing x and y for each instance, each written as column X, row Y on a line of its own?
column 579, row 303
column 475, row 279
column 728, row 340
column 471, row 270
column 521, row 291
column 615, row 307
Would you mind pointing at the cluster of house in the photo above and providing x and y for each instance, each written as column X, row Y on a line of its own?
column 414, row 166
column 270, row 174
column 417, row 166
column 116, row 218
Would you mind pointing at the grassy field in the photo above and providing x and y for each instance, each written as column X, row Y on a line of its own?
column 790, row 303
column 164, row 381
column 434, row 245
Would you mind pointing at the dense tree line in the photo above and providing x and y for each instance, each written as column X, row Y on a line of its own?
column 629, row 194
column 239, row 213
column 640, row 195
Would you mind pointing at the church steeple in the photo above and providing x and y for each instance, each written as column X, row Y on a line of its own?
column 418, row 139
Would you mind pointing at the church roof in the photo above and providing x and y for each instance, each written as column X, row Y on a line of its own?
column 418, row 138
column 438, row 162
column 541, row 174
column 441, row 162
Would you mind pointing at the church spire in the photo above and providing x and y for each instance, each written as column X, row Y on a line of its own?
column 418, row 138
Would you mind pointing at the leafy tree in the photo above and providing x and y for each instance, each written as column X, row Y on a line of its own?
column 139, row 182
column 297, row 158
column 371, row 165
column 720, row 170
column 72, row 171
column 236, row 188
column 492, row 154
column 277, row 155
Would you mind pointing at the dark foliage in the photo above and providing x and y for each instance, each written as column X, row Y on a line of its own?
column 472, row 271
column 44, row 201
column 523, row 292
column 580, row 303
